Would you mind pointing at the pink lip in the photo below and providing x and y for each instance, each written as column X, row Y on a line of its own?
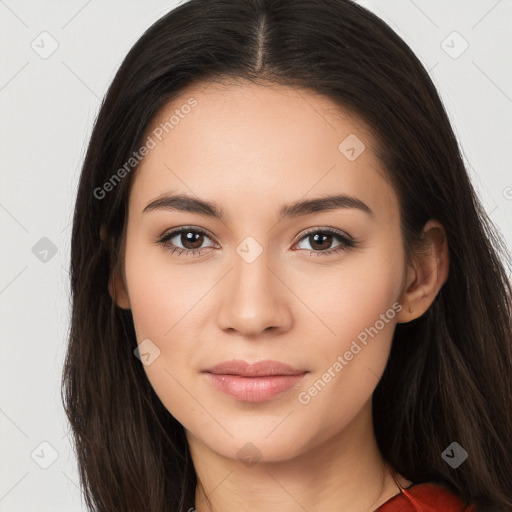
column 255, row 382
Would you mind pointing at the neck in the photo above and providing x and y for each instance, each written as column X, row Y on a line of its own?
column 345, row 472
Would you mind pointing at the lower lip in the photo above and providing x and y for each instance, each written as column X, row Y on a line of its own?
column 254, row 389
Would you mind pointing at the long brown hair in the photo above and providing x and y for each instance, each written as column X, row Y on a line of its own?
column 449, row 375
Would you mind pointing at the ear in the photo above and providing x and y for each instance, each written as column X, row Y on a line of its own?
column 427, row 274
column 116, row 283
column 117, row 290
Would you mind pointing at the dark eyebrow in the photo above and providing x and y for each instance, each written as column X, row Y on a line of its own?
column 184, row 203
column 321, row 204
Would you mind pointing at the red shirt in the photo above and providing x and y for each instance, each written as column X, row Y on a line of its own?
column 426, row 497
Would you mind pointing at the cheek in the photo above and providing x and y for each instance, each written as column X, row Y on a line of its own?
column 351, row 297
column 161, row 292
column 358, row 308
column 160, row 316
column 357, row 335
column 163, row 299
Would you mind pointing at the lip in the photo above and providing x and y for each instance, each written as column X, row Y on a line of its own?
column 258, row 369
column 256, row 382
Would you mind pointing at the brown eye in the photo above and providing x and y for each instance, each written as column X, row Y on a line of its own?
column 191, row 239
column 321, row 240
column 185, row 239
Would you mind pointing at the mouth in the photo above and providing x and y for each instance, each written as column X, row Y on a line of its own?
column 257, row 382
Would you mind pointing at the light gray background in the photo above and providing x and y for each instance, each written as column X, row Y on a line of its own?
column 47, row 108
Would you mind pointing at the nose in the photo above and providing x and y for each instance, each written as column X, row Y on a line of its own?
column 254, row 299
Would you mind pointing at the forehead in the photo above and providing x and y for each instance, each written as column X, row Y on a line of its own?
column 259, row 145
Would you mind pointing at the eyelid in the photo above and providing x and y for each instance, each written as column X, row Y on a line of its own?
column 325, row 229
column 178, row 230
column 174, row 231
column 347, row 241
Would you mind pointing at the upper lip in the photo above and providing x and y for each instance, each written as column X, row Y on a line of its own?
column 257, row 369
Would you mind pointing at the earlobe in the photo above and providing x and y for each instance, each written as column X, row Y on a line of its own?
column 117, row 291
column 116, row 285
column 428, row 275
column 409, row 297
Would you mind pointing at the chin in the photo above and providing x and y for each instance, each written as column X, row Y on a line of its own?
column 252, row 445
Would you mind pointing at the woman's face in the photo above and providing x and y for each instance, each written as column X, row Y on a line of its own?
column 265, row 281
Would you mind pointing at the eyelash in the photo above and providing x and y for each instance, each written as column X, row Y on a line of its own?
column 346, row 242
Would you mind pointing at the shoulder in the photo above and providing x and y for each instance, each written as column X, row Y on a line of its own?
column 427, row 497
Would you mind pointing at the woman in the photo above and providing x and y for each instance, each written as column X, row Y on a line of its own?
column 286, row 293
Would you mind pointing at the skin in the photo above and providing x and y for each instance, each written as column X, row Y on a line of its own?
column 251, row 149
